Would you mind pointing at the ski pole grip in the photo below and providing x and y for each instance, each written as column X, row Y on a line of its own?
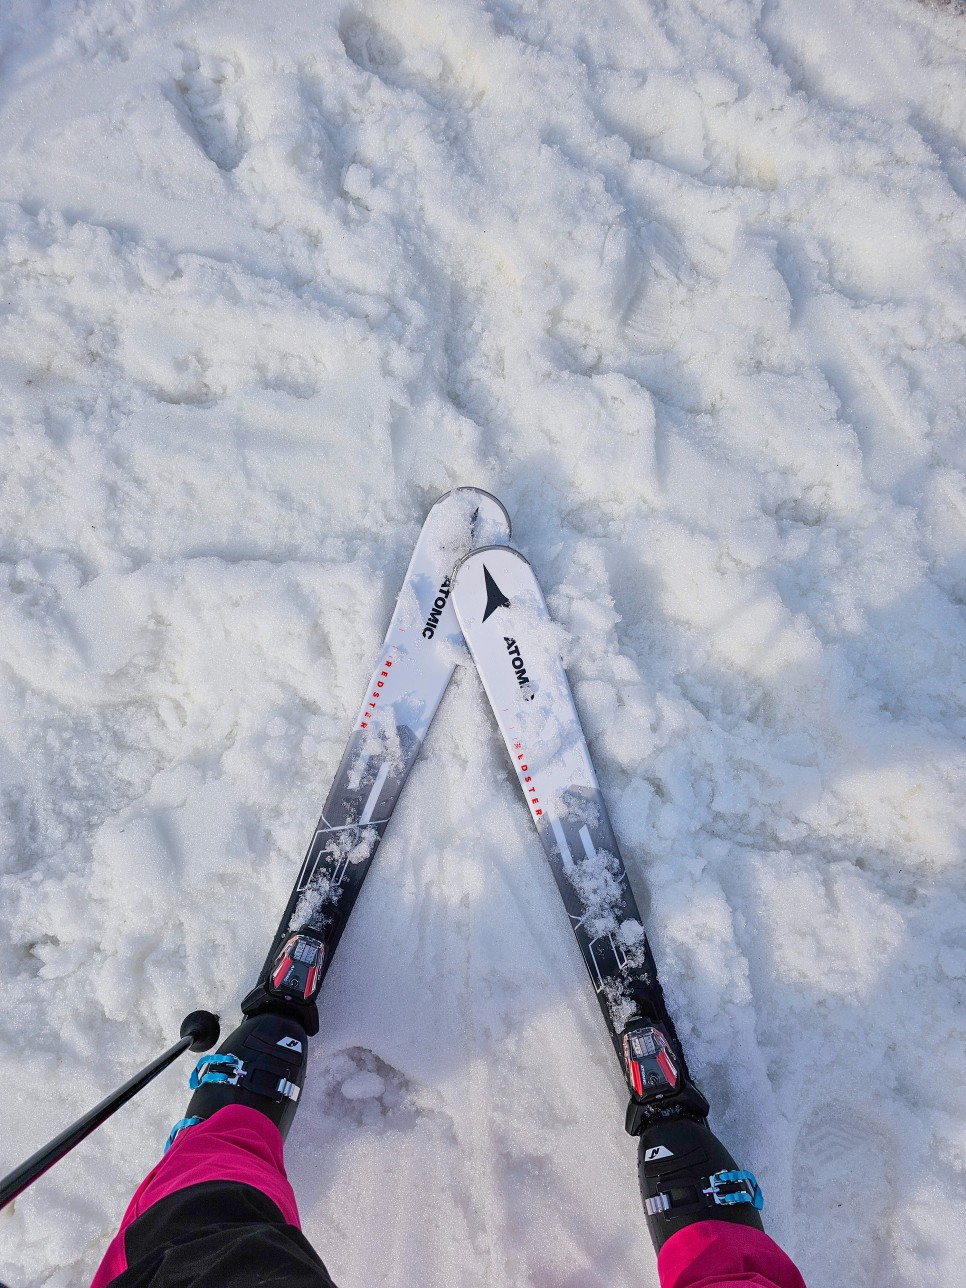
column 203, row 1028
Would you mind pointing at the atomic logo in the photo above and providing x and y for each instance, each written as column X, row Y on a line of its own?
column 439, row 603
column 495, row 597
column 516, row 661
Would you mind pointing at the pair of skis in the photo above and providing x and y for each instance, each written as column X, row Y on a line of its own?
column 465, row 581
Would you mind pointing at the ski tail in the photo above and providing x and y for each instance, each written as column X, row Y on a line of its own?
column 416, row 662
column 514, row 643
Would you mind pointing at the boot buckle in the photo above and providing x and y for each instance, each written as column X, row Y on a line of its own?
column 658, row 1204
column 229, row 1071
column 289, row 1089
column 735, row 1187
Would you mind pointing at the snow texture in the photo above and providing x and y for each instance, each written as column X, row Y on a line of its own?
column 684, row 284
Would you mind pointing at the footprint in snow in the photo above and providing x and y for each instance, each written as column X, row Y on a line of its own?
column 362, row 1089
column 365, row 42
column 208, row 91
column 843, row 1191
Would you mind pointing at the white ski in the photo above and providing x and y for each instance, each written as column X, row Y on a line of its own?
column 415, row 665
column 514, row 644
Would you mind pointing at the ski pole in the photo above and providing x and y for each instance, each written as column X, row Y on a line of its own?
column 199, row 1031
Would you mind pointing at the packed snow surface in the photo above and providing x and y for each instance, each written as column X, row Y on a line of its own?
column 683, row 282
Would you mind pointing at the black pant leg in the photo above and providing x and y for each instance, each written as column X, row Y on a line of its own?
column 220, row 1234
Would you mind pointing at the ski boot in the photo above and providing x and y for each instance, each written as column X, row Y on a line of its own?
column 687, row 1175
column 261, row 1064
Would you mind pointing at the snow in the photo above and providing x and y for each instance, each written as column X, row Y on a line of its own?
column 684, row 284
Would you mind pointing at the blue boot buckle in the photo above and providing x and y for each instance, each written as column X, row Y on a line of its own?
column 749, row 1191
column 181, row 1125
column 204, row 1073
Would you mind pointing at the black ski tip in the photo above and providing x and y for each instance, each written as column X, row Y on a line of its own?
column 495, row 597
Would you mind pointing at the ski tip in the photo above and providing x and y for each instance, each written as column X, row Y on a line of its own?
column 480, row 551
column 477, row 491
column 492, row 578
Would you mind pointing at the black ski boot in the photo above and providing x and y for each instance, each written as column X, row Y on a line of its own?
column 687, row 1175
column 261, row 1064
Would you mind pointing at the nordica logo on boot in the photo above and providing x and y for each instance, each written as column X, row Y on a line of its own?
column 526, row 688
column 439, row 603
